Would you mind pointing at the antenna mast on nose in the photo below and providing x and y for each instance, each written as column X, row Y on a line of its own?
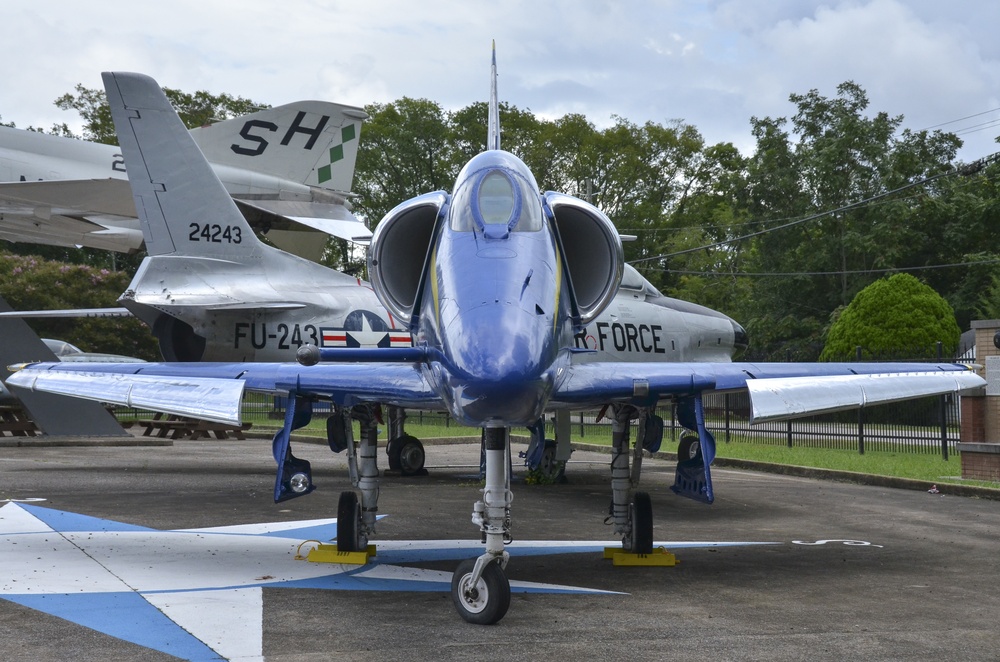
column 493, row 128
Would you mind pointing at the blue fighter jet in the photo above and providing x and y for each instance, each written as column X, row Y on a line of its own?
column 493, row 280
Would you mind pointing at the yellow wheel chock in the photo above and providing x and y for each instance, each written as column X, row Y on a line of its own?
column 329, row 553
column 659, row 558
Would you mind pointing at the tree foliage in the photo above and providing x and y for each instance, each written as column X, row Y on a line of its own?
column 893, row 314
column 30, row 283
column 835, row 157
column 198, row 109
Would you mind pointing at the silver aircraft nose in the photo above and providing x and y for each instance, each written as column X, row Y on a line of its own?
column 740, row 338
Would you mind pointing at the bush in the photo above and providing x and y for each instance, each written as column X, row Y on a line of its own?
column 891, row 313
column 32, row 283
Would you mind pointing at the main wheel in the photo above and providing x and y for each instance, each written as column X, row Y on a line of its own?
column 642, row 523
column 484, row 602
column 349, row 538
column 689, row 447
column 392, row 451
column 411, row 456
column 549, row 467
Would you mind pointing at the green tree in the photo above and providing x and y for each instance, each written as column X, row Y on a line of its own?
column 195, row 109
column 893, row 314
column 405, row 151
column 835, row 157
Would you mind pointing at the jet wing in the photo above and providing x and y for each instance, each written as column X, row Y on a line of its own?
column 93, row 196
column 332, row 219
column 70, row 312
column 777, row 390
column 212, row 391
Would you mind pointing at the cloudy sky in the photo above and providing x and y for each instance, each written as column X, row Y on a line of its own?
column 714, row 64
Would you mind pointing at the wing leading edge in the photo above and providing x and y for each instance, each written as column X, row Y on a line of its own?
column 213, row 391
column 777, row 390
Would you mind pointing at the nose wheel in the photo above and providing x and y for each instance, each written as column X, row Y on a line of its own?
column 642, row 523
column 350, row 537
column 482, row 601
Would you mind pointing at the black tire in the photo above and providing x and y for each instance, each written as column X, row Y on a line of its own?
column 411, row 456
column 349, row 523
column 549, row 467
column 392, row 452
column 689, row 447
column 486, row 602
column 642, row 524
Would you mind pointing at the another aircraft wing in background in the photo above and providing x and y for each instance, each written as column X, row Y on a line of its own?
column 290, row 169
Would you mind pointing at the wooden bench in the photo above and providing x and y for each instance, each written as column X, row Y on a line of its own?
column 15, row 421
column 180, row 427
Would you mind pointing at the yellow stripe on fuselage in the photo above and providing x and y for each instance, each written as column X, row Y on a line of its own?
column 434, row 287
column 555, row 311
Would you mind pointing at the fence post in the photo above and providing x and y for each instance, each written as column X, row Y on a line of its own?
column 581, row 423
column 725, row 402
column 673, row 420
column 789, row 433
column 861, row 431
column 944, row 426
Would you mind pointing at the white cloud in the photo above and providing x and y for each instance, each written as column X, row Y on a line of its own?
column 713, row 64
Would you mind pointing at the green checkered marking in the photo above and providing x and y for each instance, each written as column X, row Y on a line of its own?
column 347, row 134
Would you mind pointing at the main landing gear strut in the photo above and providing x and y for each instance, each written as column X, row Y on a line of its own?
column 479, row 587
column 356, row 520
column 632, row 510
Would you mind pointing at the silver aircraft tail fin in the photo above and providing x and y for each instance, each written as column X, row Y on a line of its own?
column 182, row 205
column 493, row 129
column 314, row 143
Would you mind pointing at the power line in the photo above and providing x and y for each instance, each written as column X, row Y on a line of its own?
column 829, row 273
column 969, row 169
column 962, row 119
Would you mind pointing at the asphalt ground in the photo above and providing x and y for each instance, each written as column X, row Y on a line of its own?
column 920, row 579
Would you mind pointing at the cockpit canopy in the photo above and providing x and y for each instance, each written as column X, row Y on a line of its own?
column 496, row 194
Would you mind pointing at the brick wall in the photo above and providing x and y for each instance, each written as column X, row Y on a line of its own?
column 973, row 419
column 981, row 466
column 981, row 416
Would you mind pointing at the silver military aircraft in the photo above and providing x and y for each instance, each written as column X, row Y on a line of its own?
column 289, row 168
column 495, row 281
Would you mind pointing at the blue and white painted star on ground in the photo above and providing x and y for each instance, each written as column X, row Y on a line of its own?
column 197, row 593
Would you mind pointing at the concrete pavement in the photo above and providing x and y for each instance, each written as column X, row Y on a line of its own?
column 919, row 577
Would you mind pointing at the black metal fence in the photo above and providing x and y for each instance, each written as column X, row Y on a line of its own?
column 926, row 425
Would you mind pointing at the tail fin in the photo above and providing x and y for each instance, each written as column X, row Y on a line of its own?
column 182, row 205
column 493, row 127
column 308, row 142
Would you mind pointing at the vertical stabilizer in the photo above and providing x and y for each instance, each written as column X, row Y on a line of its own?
column 312, row 143
column 493, row 130
column 183, row 207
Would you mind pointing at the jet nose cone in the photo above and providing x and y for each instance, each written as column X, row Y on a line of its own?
column 740, row 338
column 500, row 364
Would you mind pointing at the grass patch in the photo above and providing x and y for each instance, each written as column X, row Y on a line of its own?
column 917, row 466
